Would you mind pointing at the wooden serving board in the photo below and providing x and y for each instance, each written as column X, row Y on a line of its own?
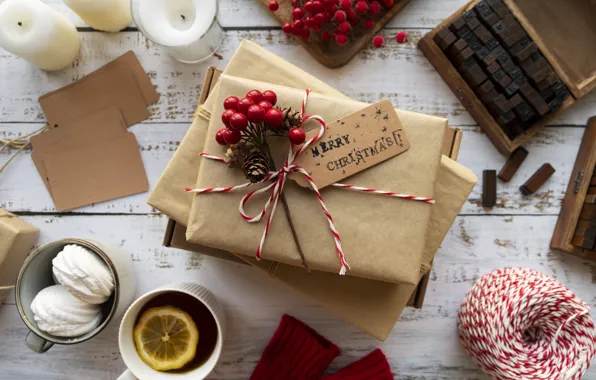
column 330, row 53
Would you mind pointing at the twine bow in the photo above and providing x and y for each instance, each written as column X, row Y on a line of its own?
column 276, row 188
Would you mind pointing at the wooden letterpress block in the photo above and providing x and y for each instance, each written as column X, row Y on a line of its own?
column 464, row 32
column 505, row 118
column 444, row 38
column 520, row 80
column 485, row 88
column 516, row 100
column 501, row 78
column 483, row 34
column 489, row 97
column 588, row 212
column 541, row 74
column 463, row 55
column 492, row 44
column 560, row 90
column 591, row 198
column 456, row 48
column 489, row 188
column 500, row 104
column 555, row 104
column 537, row 180
column 550, row 80
column 500, row 29
column 493, row 67
column 516, row 35
column 489, row 60
column 511, row 89
column 548, row 94
column 586, row 229
column 524, row 112
column 525, row 52
column 499, row 8
column 472, row 73
column 582, row 242
column 457, row 24
column 535, row 100
column 471, row 20
column 482, row 53
column 513, row 164
column 502, row 55
column 529, row 67
column 514, row 72
column 508, row 66
column 486, row 14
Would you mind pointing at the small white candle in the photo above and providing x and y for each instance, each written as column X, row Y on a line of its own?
column 104, row 15
column 34, row 31
column 187, row 29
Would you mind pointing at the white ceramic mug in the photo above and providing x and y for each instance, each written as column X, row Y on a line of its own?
column 36, row 274
column 137, row 368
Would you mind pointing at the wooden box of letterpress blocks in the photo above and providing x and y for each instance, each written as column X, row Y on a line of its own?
column 576, row 228
column 516, row 64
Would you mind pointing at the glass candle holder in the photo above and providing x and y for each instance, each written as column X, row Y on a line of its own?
column 188, row 30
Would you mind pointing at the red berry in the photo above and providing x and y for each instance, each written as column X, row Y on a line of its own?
column 305, row 33
column 256, row 114
column 309, row 7
column 345, row 4
column 274, row 117
column 270, row 96
column 344, row 28
column 318, row 6
column 243, row 105
column 361, row 7
column 368, row 24
column 238, row 121
column 298, row 13
column 294, row 3
column 226, row 115
column 265, row 105
column 327, row 16
column 378, row 41
column 231, row 103
column 339, row 17
column 298, row 26
column 310, row 22
column 219, row 137
column 319, row 18
column 374, row 8
column 355, row 21
column 232, row 136
column 351, row 14
column 254, row 95
column 332, row 10
column 316, row 28
column 341, row 39
column 401, row 37
column 287, row 28
column 387, row 3
column 326, row 35
column 329, row 3
column 273, row 5
column 296, row 136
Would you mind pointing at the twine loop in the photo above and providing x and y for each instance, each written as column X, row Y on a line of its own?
column 518, row 323
column 279, row 178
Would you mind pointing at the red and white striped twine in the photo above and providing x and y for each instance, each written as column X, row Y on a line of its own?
column 518, row 323
column 280, row 177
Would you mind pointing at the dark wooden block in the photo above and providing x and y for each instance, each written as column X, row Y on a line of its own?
column 500, row 29
column 463, row 55
column 590, row 198
column 501, row 78
column 586, row 229
column 457, row 47
column 493, row 67
column 483, row 34
column 520, row 80
column 550, row 80
column 471, row 20
column 511, row 89
column 588, row 212
column 444, row 38
column 489, row 97
column 489, row 188
column 472, row 73
column 538, row 179
column 524, row 112
column 463, row 32
column 580, row 241
column 548, row 95
column 541, row 74
column 500, row 104
column 514, row 72
column 485, row 88
column 506, row 118
column 457, row 24
column 486, row 14
column 513, row 164
column 508, row 66
column 516, row 35
column 489, row 60
column 502, row 55
column 482, row 53
column 516, row 100
column 492, row 44
column 499, row 8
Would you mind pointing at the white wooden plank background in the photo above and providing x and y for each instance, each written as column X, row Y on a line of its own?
column 423, row 344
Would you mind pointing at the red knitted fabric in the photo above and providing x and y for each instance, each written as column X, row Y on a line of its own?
column 297, row 352
column 373, row 366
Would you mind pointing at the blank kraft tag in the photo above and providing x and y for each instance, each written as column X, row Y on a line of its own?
column 352, row 144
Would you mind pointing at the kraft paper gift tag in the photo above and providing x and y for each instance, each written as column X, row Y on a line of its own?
column 383, row 238
column 92, row 174
column 94, row 129
column 116, row 86
column 17, row 239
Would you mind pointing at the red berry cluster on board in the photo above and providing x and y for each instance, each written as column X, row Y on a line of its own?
column 332, row 19
column 251, row 117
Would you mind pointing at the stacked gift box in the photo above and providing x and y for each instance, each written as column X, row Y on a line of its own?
column 389, row 243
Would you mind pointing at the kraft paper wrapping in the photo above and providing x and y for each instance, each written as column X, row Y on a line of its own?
column 371, row 306
column 383, row 238
column 17, row 238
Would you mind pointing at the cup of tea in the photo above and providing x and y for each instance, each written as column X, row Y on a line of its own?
column 175, row 331
column 37, row 275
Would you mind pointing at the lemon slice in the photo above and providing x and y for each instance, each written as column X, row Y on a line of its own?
column 166, row 338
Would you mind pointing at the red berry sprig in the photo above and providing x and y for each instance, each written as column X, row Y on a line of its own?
column 251, row 117
column 335, row 20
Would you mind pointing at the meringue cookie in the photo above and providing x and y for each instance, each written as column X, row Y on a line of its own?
column 59, row 313
column 84, row 274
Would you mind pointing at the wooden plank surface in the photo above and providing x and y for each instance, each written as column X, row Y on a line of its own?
column 424, row 343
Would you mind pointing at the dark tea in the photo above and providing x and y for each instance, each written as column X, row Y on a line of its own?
column 202, row 317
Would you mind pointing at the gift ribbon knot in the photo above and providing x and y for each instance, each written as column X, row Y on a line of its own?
column 276, row 188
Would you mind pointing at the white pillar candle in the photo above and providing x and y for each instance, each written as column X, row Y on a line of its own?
column 39, row 34
column 187, row 29
column 104, row 15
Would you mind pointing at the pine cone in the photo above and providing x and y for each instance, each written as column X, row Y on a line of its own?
column 292, row 119
column 237, row 153
column 256, row 167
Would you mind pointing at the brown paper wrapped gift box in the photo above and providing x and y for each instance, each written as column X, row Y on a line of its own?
column 17, row 238
column 375, row 315
column 379, row 241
